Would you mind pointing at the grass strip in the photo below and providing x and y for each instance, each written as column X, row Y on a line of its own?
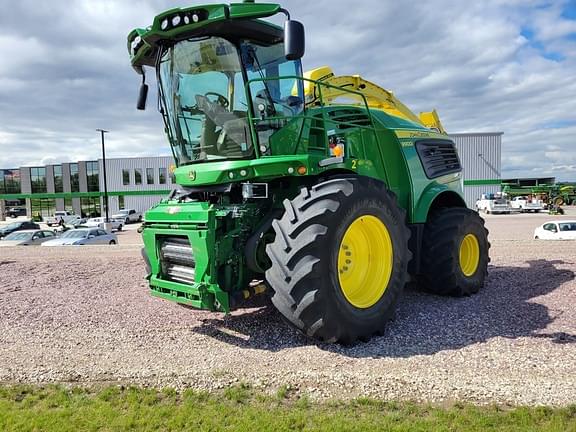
column 240, row 408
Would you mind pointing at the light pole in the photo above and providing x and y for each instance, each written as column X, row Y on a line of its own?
column 102, row 132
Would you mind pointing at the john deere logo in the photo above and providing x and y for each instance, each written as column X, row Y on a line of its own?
column 192, row 175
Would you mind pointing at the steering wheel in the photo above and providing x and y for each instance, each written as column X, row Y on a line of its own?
column 221, row 100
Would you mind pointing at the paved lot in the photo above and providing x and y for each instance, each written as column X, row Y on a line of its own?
column 83, row 315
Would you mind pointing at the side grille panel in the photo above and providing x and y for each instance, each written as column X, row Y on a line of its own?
column 438, row 157
column 350, row 118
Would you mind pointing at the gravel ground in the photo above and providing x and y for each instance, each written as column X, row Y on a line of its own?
column 83, row 316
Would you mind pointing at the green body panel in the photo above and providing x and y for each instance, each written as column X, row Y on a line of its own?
column 215, row 234
column 145, row 54
column 265, row 168
column 228, row 231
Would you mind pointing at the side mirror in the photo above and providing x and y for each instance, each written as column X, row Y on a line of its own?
column 294, row 42
column 142, row 97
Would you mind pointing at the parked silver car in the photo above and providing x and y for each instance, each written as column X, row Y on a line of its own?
column 27, row 238
column 83, row 236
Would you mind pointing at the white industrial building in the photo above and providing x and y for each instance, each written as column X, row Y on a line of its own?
column 481, row 159
column 139, row 183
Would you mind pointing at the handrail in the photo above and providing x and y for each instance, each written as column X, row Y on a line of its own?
column 254, row 121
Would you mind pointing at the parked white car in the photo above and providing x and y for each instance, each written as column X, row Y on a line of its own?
column 83, row 236
column 556, row 230
column 27, row 238
column 98, row 222
column 128, row 216
column 524, row 204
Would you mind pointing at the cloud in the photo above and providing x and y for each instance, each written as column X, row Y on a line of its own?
column 496, row 65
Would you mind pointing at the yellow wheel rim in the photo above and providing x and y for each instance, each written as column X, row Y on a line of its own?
column 365, row 261
column 469, row 254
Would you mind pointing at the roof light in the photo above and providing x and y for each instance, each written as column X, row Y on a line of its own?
column 195, row 18
column 186, row 19
column 176, row 20
column 164, row 24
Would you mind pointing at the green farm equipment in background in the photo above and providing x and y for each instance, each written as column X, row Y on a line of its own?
column 553, row 195
column 324, row 191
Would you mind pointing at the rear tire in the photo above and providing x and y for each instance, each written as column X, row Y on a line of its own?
column 310, row 259
column 454, row 253
column 112, row 242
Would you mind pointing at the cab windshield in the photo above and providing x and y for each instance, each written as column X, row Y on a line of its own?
column 205, row 102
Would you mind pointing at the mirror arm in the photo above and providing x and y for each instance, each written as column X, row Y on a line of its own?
column 285, row 12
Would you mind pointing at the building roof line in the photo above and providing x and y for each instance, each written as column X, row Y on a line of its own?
column 476, row 134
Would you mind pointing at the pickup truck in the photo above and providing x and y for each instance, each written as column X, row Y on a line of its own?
column 524, row 204
column 99, row 222
column 492, row 204
column 128, row 216
column 69, row 218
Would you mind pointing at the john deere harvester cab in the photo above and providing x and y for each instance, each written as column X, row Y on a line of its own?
column 324, row 191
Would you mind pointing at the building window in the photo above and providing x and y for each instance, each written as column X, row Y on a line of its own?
column 10, row 181
column 137, row 176
column 74, row 179
column 90, row 207
column 162, row 176
column 125, row 177
column 121, row 202
column 42, row 208
column 149, row 176
column 68, row 205
column 58, row 183
column 92, row 174
column 38, row 177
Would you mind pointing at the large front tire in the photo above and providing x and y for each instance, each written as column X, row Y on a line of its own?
column 454, row 253
column 339, row 259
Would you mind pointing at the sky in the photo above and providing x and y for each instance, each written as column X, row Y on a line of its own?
column 487, row 66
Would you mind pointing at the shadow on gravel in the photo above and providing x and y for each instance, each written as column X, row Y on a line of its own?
column 262, row 328
column 424, row 323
